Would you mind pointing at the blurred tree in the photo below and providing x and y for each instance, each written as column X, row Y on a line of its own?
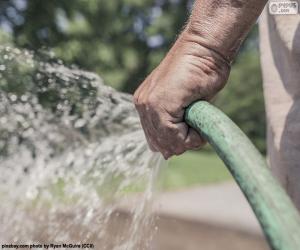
column 124, row 40
column 120, row 40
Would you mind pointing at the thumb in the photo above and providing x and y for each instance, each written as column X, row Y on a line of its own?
column 193, row 139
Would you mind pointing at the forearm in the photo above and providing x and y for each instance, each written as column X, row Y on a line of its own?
column 222, row 25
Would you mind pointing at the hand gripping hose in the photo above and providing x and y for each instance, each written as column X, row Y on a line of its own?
column 277, row 215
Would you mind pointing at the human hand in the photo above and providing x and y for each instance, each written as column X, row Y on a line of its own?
column 189, row 72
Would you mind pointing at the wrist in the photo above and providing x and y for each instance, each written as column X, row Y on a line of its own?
column 223, row 25
column 208, row 70
column 201, row 48
column 225, row 47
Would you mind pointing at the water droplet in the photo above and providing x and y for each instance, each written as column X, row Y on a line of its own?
column 13, row 97
column 24, row 98
column 32, row 193
column 79, row 123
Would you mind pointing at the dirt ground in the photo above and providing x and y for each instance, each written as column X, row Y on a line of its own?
column 180, row 234
column 163, row 233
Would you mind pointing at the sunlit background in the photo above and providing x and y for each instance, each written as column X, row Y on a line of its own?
column 123, row 41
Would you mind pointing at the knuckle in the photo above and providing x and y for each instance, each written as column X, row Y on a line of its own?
column 176, row 148
column 197, row 145
column 179, row 151
column 152, row 100
column 178, row 134
column 135, row 99
column 139, row 103
column 166, row 155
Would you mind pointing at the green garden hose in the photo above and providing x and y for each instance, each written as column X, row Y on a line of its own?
column 277, row 215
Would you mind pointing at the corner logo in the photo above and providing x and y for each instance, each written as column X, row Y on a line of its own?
column 280, row 7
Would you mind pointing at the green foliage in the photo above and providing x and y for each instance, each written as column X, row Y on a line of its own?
column 123, row 41
column 25, row 73
column 193, row 168
column 112, row 38
column 5, row 38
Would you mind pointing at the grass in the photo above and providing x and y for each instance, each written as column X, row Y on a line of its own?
column 191, row 169
column 188, row 170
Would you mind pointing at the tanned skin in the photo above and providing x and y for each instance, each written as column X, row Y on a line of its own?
column 196, row 67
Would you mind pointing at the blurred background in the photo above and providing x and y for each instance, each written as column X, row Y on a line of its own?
column 123, row 41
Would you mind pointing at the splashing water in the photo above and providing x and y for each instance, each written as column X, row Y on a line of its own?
column 70, row 148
